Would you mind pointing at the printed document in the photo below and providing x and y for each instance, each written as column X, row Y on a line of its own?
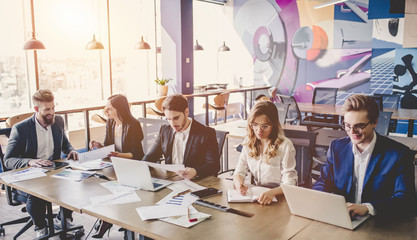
column 95, row 154
column 25, row 174
column 112, row 199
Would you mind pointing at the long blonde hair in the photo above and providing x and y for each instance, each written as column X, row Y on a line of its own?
column 276, row 137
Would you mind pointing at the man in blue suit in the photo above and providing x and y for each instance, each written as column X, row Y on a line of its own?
column 374, row 173
column 36, row 142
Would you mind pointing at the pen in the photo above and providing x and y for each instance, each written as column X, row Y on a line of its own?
column 188, row 215
column 182, row 193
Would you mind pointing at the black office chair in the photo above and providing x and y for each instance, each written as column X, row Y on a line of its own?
column 379, row 101
column 390, row 101
column 13, row 198
column 323, row 96
column 221, row 140
column 304, row 143
column 293, row 114
column 282, row 111
column 383, row 123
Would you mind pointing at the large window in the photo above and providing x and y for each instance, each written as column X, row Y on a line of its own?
column 13, row 80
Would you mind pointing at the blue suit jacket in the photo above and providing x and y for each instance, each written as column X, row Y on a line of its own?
column 389, row 177
column 23, row 143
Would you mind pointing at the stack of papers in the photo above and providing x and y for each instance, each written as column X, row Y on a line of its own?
column 97, row 164
column 76, row 175
column 26, row 174
column 252, row 194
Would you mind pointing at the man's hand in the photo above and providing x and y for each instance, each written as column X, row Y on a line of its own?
column 121, row 155
column 39, row 163
column 187, row 173
column 73, row 154
column 357, row 209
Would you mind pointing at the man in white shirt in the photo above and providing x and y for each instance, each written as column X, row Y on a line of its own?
column 36, row 142
column 374, row 173
column 185, row 141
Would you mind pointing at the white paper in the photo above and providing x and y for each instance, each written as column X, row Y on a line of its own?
column 160, row 211
column 179, row 186
column 252, row 194
column 184, row 221
column 97, row 164
column 112, row 199
column 115, row 187
column 182, row 200
column 167, row 167
column 76, row 175
column 26, row 174
column 96, row 154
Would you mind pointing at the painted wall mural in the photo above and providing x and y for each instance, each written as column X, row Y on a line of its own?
column 355, row 46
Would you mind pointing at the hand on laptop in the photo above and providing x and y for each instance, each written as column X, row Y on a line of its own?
column 39, row 163
column 187, row 173
column 357, row 209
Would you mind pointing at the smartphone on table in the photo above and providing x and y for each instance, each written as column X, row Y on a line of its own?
column 208, row 192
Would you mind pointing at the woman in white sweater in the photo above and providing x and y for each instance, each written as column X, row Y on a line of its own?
column 267, row 154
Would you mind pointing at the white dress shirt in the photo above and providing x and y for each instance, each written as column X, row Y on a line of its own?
column 361, row 161
column 118, row 131
column 45, row 141
column 180, row 141
column 279, row 170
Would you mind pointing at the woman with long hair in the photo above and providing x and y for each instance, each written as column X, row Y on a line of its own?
column 267, row 154
column 125, row 132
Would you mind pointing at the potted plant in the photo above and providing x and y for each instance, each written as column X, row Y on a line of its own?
column 162, row 87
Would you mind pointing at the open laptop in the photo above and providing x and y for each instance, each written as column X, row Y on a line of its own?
column 321, row 206
column 136, row 173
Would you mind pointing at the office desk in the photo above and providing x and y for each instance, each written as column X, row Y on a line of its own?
column 270, row 222
column 401, row 113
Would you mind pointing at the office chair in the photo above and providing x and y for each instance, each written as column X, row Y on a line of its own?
column 150, row 129
column 221, row 140
column 220, row 103
column 304, row 143
column 293, row 113
column 323, row 96
column 383, row 123
column 390, row 101
column 13, row 198
column 379, row 101
column 282, row 111
column 157, row 108
column 16, row 119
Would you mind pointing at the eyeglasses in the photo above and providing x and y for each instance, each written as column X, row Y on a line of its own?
column 356, row 128
column 264, row 127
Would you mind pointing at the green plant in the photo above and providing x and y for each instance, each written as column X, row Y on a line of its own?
column 162, row 81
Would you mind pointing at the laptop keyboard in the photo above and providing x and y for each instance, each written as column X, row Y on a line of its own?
column 155, row 185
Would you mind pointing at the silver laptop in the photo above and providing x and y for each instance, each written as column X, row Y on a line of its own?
column 136, row 173
column 321, row 206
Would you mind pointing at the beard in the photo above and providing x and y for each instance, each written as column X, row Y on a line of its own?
column 47, row 119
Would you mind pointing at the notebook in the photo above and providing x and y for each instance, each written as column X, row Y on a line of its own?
column 252, row 194
column 321, row 206
column 136, row 173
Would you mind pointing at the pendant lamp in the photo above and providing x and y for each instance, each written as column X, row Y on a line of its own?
column 198, row 47
column 33, row 43
column 224, row 48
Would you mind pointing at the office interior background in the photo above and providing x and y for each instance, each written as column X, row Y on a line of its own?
column 284, row 43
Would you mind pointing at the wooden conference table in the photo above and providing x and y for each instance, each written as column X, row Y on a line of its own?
column 269, row 222
column 400, row 114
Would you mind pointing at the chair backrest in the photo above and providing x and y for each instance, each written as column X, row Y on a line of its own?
column 16, row 119
column 158, row 103
column 383, row 123
column 324, row 95
column 150, row 129
column 6, row 133
column 293, row 113
column 221, row 138
column 282, row 111
column 222, row 99
column 98, row 118
column 379, row 101
column 304, row 144
column 390, row 100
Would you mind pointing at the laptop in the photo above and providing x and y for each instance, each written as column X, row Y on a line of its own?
column 136, row 173
column 321, row 206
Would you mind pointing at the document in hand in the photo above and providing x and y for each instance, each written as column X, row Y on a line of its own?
column 96, row 154
column 252, row 194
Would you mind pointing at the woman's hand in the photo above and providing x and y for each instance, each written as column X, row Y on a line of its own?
column 121, row 155
column 188, row 173
column 266, row 197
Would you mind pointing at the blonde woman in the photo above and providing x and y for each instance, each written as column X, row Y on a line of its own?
column 267, row 154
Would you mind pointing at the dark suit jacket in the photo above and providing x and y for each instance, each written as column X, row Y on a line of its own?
column 389, row 177
column 201, row 151
column 23, row 143
column 132, row 136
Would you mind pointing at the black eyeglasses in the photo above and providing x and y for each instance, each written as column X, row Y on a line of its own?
column 356, row 128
